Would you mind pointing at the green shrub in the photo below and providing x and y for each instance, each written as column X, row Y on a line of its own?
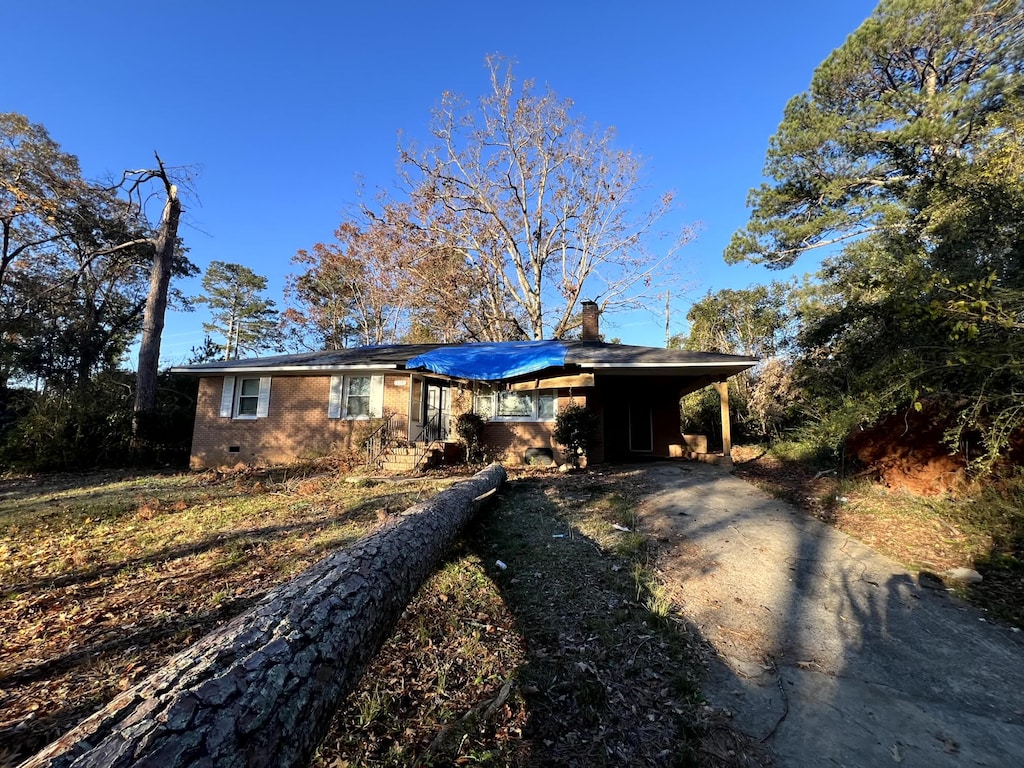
column 803, row 452
column 470, row 429
column 91, row 426
column 700, row 413
column 574, row 427
column 997, row 509
column 87, row 427
column 168, row 432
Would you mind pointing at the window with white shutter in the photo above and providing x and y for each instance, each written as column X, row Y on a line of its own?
column 356, row 397
column 245, row 397
column 263, row 399
column 227, row 397
column 334, row 398
column 376, row 396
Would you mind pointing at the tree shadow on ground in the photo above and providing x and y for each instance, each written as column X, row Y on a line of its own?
column 612, row 673
column 839, row 654
column 253, row 535
column 536, row 643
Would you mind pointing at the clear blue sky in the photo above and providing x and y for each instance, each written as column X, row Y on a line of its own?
column 284, row 106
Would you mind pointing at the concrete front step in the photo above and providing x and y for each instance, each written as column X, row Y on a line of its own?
column 398, row 467
column 408, row 459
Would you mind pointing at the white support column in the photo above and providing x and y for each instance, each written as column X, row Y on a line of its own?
column 410, row 418
column 722, row 387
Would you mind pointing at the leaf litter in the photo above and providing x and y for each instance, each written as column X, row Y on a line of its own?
column 564, row 657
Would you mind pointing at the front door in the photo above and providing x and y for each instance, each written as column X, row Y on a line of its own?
column 437, row 412
column 641, row 428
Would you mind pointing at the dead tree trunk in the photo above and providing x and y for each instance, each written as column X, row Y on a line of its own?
column 164, row 243
column 261, row 691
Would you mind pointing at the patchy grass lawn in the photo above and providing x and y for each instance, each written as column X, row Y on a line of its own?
column 564, row 653
column 104, row 576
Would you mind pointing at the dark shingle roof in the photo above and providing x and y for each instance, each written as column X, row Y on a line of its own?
column 610, row 358
column 384, row 356
column 586, row 353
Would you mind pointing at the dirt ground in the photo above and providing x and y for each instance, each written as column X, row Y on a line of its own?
column 907, row 451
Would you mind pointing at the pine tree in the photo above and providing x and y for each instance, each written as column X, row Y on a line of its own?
column 904, row 162
column 241, row 314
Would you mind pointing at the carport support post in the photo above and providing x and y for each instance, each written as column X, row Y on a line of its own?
column 722, row 387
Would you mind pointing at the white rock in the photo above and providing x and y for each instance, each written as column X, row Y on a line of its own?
column 965, row 575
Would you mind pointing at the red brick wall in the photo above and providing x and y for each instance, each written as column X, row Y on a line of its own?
column 508, row 440
column 296, row 427
column 396, row 401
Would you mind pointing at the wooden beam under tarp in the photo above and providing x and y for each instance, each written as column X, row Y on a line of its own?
column 556, row 382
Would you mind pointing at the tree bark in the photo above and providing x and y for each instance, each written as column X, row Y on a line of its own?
column 262, row 690
column 156, row 307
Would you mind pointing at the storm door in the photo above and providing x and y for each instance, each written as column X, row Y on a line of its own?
column 437, row 412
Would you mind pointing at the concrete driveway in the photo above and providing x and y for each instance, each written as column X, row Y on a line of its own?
column 828, row 652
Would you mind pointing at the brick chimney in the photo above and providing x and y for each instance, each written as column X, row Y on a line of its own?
column 591, row 321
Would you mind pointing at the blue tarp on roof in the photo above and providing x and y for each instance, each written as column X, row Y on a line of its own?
column 491, row 360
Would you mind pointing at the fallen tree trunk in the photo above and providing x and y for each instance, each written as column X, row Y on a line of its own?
column 261, row 691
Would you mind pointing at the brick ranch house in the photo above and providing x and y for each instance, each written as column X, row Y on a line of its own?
column 403, row 400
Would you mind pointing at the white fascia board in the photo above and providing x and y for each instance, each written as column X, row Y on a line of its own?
column 670, row 366
column 281, row 369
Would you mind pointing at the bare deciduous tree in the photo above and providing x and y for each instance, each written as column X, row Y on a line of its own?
column 514, row 212
column 541, row 209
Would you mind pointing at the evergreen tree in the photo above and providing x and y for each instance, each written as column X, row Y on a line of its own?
column 241, row 313
column 904, row 161
column 752, row 321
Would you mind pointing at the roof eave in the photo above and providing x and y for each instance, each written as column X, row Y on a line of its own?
column 739, row 366
column 229, row 369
